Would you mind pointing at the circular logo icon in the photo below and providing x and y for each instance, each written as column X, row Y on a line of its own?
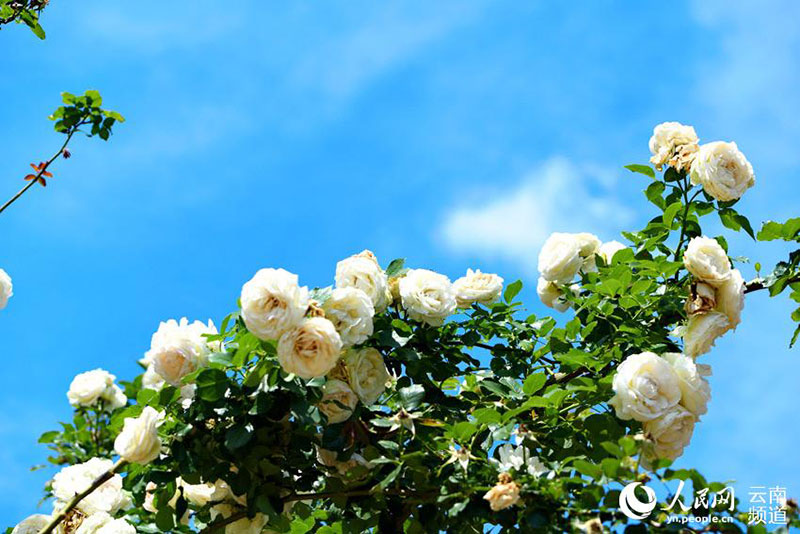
column 630, row 504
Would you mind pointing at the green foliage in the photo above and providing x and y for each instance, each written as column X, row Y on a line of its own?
column 421, row 458
column 81, row 111
column 23, row 12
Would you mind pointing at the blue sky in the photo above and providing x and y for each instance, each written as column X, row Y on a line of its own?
column 456, row 134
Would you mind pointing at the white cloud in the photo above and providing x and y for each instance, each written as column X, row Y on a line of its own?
column 557, row 196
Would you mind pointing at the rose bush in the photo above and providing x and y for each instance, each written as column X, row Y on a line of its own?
column 397, row 401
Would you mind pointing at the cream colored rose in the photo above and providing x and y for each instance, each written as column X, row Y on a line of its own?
column 673, row 144
column 74, row 479
column 427, row 296
column 92, row 387
column 363, row 272
column 6, row 290
column 338, row 401
column 730, row 298
column 32, row 524
column 608, row 249
column 351, row 311
column 706, row 259
column 139, row 442
column 103, row 523
column 367, row 373
column 204, row 493
column 330, row 459
column 702, row 331
column 149, row 497
column 502, row 495
column 552, row 297
column 671, row 432
column 311, row 349
column 560, row 258
column 645, row 387
column 695, row 389
column 180, row 348
column 722, row 170
column 477, row 287
column 273, row 303
column 702, row 298
column 246, row 525
column 152, row 380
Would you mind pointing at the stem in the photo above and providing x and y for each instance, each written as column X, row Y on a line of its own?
column 58, row 518
column 42, row 170
column 224, row 522
column 758, row 284
column 688, row 203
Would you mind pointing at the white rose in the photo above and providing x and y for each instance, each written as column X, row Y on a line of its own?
column 367, row 373
column 552, row 297
column 330, row 459
column 702, row 298
column 363, row 272
column 6, row 290
column 722, row 170
column 139, row 442
column 706, row 259
column 702, row 331
column 502, row 495
column 673, row 144
column 645, row 387
column 115, row 526
column 671, row 432
column 152, row 380
column 427, row 296
column 607, row 250
column 351, row 311
column 730, row 298
column 180, row 348
column 560, row 258
column 273, row 303
column 102, row 523
column 91, row 387
column 477, row 287
column 32, row 524
column 695, row 390
column 93, row 523
column 311, row 349
column 202, row 494
column 338, row 401
column 149, row 498
column 74, row 479
column 246, row 525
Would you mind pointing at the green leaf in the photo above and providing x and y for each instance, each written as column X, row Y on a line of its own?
column 533, row 383
column 670, row 213
column 588, row 469
column 211, row 384
column 238, row 436
column 395, row 267
column 411, row 396
column 654, row 193
column 512, row 290
column 641, row 169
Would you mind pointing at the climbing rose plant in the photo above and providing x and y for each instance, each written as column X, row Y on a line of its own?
column 396, row 400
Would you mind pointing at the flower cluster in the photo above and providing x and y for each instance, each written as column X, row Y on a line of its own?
column 563, row 257
column 669, row 393
column 719, row 167
column 325, row 337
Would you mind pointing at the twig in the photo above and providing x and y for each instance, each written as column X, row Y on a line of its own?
column 758, row 284
column 42, row 170
column 62, row 514
column 213, row 527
